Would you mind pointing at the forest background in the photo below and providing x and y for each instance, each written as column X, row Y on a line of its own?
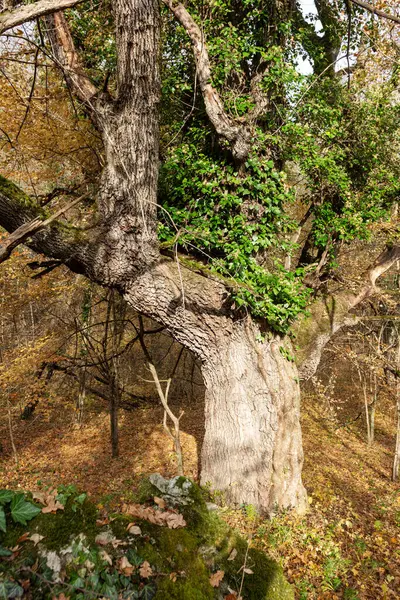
column 310, row 211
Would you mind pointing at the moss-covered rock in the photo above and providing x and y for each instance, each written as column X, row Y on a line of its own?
column 78, row 557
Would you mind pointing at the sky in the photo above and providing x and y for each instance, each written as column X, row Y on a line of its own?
column 308, row 7
column 304, row 66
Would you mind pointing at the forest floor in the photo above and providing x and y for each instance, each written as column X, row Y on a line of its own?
column 346, row 546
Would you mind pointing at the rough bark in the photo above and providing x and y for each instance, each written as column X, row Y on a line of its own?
column 128, row 191
column 252, row 447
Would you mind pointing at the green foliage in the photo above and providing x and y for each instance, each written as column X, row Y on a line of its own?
column 93, row 32
column 346, row 144
column 17, row 506
column 70, row 492
column 230, row 221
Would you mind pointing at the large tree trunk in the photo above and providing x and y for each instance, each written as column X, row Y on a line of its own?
column 252, row 447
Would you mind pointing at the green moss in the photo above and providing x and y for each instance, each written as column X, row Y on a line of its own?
column 193, row 588
column 60, row 527
column 9, row 189
column 193, row 553
column 118, row 525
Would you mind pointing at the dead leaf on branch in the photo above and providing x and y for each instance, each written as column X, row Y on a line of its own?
column 51, row 505
column 166, row 518
column 216, row 578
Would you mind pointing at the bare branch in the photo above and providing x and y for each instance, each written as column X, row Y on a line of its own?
column 167, row 411
column 329, row 314
column 382, row 264
column 67, row 57
column 376, row 11
column 237, row 135
column 28, row 12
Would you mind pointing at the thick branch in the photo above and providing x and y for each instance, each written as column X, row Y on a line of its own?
column 28, row 12
column 237, row 135
column 376, row 11
column 27, row 230
column 56, row 240
column 155, row 291
column 67, row 57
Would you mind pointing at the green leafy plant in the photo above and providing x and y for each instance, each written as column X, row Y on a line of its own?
column 20, row 509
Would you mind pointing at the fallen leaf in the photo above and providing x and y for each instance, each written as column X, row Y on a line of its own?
column 49, row 500
column 104, row 538
column 23, row 537
column 216, row 578
column 160, row 502
column 134, row 529
column 145, row 570
column 167, row 518
column 36, row 538
column 233, row 554
column 125, row 567
column 172, row 577
column 175, row 520
column 105, row 556
column 62, row 596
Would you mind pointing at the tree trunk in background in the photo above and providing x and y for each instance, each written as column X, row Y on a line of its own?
column 80, row 404
column 114, row 405
column 253, row 446
column 396, row 459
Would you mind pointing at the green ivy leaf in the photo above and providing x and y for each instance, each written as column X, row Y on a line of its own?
column 23, row 511
column 6, row 496
column 2, row 520
column 5, row 551
column 148, row 592
column 10, row 590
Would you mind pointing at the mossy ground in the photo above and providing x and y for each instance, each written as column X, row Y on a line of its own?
column 182, row 560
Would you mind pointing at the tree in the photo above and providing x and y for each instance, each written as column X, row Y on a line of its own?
column 196, row 249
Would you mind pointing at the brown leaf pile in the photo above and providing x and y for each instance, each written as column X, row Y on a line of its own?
column 166, row 518
column 51, row 505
